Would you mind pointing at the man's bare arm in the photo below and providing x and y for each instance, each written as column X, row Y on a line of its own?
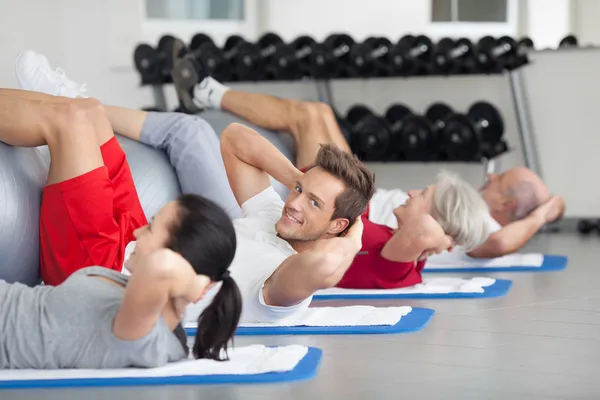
column 249, row 159
column 510, row 238
column 415, row 237
column 322, row 267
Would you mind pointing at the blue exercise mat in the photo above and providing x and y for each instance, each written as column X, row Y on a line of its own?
column 414, row 321
column 305, row 369
column 550, row 263
column 497, row 289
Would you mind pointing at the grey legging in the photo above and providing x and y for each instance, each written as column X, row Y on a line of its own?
column 194, row 151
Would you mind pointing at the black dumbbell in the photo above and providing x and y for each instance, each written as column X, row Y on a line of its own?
column 244, row 59
column 293, row 61
column 411, row 55
column 412, row 135
column 487, row 119
column 371, row 57
column 456, row 137
column 568, row 41
column 495, row 55
column 468, row 137
column 331, row 59
column 437, row 113
column 370, row 137
column 268, row 46
column 154, row 65
column 450, row 57
column 586, row 226
column 523, row 47
column 212, row 59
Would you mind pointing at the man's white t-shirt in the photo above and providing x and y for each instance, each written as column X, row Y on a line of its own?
column 259, row 253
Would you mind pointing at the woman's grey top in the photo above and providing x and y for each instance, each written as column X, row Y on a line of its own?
column 70, row 326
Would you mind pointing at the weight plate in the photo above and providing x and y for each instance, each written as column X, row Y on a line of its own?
column 269, row 39
column 373, row 138
column 489, row 119
column 147, row 62
column 397, row 112
column 199, row 39
column 437, row 112
column 323, row 64
column 416, row 139
column 568, row 41
column 407, row 40
column 232, row 41
column 248, row 64
column 356, row 113
column 444, row 43
column 460, row 139
column 164, row 41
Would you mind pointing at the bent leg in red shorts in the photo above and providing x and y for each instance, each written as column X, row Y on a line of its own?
column 88, row 220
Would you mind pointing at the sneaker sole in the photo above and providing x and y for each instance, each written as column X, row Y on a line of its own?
column 184, row 77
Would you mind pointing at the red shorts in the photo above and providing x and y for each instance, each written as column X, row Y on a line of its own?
column 88, row 220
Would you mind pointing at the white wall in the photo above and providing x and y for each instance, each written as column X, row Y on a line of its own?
column 548, row 21
column 319, row 18
column 586, row 26
column 78, row 35
column 94, row 40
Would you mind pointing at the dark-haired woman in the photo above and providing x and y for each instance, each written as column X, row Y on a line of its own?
column 90, row 315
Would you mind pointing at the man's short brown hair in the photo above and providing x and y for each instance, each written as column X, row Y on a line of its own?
column 359, row 181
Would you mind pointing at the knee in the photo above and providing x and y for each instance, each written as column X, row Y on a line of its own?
column 92, row 107
column 309, row 113
column 65, row 119
column 67, row 115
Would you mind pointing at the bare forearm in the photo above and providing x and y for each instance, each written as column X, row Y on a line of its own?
column 405, row 246
column 509, row 239
column 302, row 275
column 251, row 148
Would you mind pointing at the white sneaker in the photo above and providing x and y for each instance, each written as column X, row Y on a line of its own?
column 34, row 73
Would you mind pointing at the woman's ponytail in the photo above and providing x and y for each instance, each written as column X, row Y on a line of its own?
column 218, row 322
column 204, row 235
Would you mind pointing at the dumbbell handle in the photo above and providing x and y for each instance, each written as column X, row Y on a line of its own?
column 397, row 125
column 501, row 49
column 458, row 51
column 268, row 51
column 416, row 51
column 341, row 50
column 303, row 52
column 379, row 52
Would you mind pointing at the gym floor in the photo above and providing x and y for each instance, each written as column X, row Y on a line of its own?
column 540, row 341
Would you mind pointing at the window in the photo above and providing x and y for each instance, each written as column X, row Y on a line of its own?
column 469, row 10
column 195, row 9
column 474, row 18
column 184, row 18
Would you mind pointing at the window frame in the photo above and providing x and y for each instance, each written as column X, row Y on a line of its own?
column 476, row 30
column 218, row 29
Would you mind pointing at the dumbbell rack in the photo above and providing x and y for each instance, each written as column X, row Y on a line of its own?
column 344, row 92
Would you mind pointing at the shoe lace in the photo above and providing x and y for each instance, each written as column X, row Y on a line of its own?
column 66, row 83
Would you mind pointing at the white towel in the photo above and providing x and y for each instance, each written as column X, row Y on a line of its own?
column 429, row 286
column 460, row 259
column 337, row 316
column 255, row 359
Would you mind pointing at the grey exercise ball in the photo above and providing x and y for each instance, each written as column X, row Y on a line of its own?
column 154, row 177
column 23, row 175
column 284, row 142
